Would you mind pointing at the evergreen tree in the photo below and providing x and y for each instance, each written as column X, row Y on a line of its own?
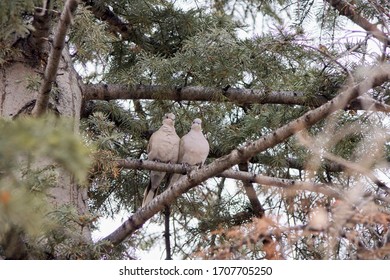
column 293, row 103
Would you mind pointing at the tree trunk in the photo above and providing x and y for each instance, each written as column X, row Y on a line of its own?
column 17, row 98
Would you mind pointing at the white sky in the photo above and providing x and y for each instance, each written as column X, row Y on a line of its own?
column 107, row 226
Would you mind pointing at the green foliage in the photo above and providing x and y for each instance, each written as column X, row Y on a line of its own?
column 90, row 38
column 15, row 22
column 32, row 152
column 7, row 52
column 11, row 20
column 48, row 138
column 116, row 134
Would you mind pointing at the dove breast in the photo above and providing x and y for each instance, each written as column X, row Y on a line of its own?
column 194, row 148
column 163, row 145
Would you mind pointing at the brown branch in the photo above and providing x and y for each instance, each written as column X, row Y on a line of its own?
column 125, row 29
column 196, row 93
column 232, row 174
column 376, row 77
column 251, row 192
column 348, row 10
column 288, row 184
column 287, row 162
column 167, row 233
column 235, row 95
column 54, row 57
column 368, row 104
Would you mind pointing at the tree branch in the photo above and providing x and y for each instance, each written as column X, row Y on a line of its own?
column 235, row 95
column 54, row 57
column 126, row 30
column 232, row 174
column 348, row 10
column 167, row 233
column 195, row 93
column 375, row 78
column 251, row 192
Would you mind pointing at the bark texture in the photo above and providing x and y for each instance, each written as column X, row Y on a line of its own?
column 51, row 69
column 17, row 99
column 235, row 95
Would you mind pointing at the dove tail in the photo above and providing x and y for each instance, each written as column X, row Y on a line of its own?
column 154, row 184
column 149, row 194
column 174, row 178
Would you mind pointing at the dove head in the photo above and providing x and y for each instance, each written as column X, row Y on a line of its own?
column 197, row 124
column 169, row 119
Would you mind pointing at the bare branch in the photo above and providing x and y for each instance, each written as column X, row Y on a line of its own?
column 167, row 233
column 348, row 10
column 235, row 95
column 54, row 57
column 376, row 77
column 251, row 192
column 196, row 93
column 293, row 185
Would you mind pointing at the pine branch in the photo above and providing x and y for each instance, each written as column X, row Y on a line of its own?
column 348, row 10
column 232, row 174
column 375, row 78
column 194, row 93
column 54, row 57
column 125, row 29
column 235, row 95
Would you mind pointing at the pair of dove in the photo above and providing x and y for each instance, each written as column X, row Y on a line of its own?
column 165, row 146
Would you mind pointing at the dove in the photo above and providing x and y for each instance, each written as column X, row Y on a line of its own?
column 194, row 148
column 163, row 146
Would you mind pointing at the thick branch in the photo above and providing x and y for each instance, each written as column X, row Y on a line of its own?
column 235, row 95
column 348, row 10
column 54, row 57
column 194, row 178
column 195, row 93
